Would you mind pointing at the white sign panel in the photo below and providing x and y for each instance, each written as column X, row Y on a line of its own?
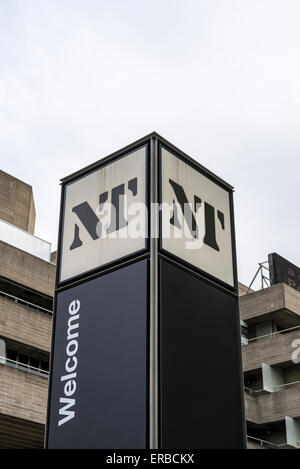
column 99, row 210
column 197, row 229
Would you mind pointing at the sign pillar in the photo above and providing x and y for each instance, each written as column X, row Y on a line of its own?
column 146, row 339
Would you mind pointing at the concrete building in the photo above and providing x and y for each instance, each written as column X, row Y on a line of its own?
column 272, row 379
column 26, row 293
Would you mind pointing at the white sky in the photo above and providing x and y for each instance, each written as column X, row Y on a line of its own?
column 218, row 78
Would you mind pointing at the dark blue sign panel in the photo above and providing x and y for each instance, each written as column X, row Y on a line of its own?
column 200, row 363
column 99, row 377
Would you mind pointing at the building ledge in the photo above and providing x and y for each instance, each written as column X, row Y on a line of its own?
column 25, row 269
column 274, row 350
column 23, row 395
column 279, row 302
column 273, row 407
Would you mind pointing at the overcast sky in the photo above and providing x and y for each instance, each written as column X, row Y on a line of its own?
column 218, row 78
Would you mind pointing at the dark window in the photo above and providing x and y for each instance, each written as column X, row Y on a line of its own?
column 35, row 362
column 23, row 358
column 11, row 355
column 44, row 365
column 26, row 362
column 22, row 361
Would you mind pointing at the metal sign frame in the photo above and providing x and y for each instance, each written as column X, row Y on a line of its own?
column 154, row 253
column 195, row 165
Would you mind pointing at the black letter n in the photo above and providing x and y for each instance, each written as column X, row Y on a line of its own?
column 89, row 221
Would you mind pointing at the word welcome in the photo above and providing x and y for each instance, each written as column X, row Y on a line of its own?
column 69, row 379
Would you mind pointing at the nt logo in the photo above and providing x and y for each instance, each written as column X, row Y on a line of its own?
column 90, row 221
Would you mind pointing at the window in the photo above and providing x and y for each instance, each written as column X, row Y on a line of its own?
column 22, row 361
column 27, row 361
column 44, row 365
column 11, row 355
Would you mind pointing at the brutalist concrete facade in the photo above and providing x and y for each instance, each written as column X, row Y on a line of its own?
column 271, row 371
column 16, row 202
column 26, row 293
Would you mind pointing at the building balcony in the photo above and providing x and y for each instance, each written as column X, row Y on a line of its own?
column 25, row 323
column 279, row 302
column 273, row 350
column 265, row 407
column 259, row 443
column 26, row 270
column 23, row 395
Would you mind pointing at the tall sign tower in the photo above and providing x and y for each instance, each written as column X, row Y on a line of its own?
column 146, row 337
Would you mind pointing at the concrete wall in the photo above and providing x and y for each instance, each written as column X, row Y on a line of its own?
column 292, row 298
column 19, row 433
column 273, row 407
column 280, row 302
column 54, row 257
column 27, row 270
column 262, row 302
column 22, row 394
column 272, row 351
column 24, row 324
column 252, row 414
column 16, row 202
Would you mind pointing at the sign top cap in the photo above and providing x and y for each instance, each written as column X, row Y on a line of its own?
column 140, row 141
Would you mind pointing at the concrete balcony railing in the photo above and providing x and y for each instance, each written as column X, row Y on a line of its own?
column 258, row 443
column 280, row 302
column 273, row 350
column 254, row 445
column 273, row 407
column 23, row 395
column 23, row 323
